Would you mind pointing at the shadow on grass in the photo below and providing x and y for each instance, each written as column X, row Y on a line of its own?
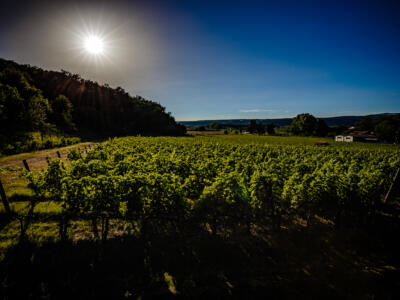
column 20, row 197
column 303, row 263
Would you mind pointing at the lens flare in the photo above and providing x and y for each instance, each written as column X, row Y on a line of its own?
column 94, row 44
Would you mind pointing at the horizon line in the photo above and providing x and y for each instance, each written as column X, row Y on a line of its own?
column 366, row 115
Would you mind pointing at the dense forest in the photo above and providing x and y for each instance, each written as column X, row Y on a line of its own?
column 43, row 109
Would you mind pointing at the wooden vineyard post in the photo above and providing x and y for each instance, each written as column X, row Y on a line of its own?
column 58, row 154
column 47, row 159
column 26, row 165
column 4, row 199
column 396, row 177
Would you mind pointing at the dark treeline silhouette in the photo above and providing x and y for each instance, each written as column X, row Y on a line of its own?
column 37, row 100
column 386, row 128
column 307, row 125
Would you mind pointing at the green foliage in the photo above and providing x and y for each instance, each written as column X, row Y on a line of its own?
column 11, row 108
column 74, row 154
column 25, row 113
column 388, row 129
column 367, row 123
column 214, row 126
column 270, row 128
column 33, row 141
column 62, row 113
column 306, row 124
column 61, row 103
column 218, row 181
column 255, row 127
column 76, row 103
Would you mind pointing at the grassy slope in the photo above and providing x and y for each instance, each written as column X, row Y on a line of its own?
column 11, row 167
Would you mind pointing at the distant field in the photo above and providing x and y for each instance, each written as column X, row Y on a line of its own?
column 285, row 140
column 259, row 139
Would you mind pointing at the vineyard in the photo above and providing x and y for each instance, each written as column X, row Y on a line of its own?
column 223, row 186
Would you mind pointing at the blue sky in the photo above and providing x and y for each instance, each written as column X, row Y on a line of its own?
column 233, row 59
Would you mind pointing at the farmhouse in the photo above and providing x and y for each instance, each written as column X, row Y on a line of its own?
column 357, row 136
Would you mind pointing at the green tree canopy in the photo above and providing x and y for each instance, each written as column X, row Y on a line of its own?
column 306, row 124
column 11, row 109
column 388, row 129
column 365, row 124
column 62, row 113
column 255, row 127
column 271, row 129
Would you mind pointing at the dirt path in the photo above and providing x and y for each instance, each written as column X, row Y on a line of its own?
column 37, row 159
column 11, row 166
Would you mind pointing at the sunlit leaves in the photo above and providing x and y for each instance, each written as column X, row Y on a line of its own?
column 176, row 178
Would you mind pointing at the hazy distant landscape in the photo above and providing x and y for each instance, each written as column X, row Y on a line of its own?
column 330, row 121
column 257, row 194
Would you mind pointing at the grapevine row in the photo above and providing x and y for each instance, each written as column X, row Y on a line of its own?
column 176, row 181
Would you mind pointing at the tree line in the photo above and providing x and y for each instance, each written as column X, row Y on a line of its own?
column 62, row 103
column 386, row 128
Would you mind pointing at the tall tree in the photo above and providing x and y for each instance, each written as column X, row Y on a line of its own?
column 366, row 123
column 306, row 124
column 388, row 129
column 271, row 129
column 61, row 113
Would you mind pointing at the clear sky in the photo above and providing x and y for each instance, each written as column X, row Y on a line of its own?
column 222, row 59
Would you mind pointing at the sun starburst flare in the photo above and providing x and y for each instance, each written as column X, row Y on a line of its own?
column 94, row 44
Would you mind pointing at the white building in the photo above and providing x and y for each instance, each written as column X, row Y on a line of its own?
column 357, row 136
column 344, row 138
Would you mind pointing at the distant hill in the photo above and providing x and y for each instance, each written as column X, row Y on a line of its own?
column 331, row 121
column 33, row 100
column 97, row 108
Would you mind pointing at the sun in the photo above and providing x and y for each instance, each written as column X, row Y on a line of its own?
column 94, row 44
